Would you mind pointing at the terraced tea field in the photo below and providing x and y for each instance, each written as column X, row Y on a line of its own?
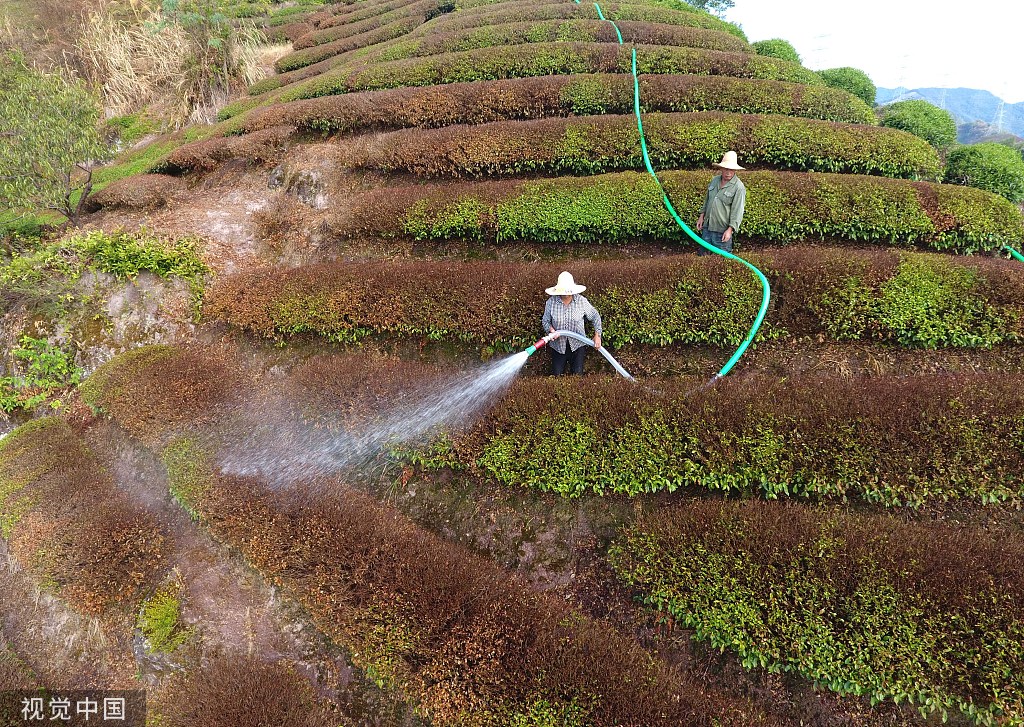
column 828, row 535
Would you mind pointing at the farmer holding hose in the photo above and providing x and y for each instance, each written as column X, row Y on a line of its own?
column 722, row 213
column 566, row 310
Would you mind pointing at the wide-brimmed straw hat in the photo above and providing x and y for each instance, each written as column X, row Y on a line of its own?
column 729, row 161
column 565, row 286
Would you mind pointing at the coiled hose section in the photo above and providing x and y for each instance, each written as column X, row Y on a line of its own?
column 765, row 287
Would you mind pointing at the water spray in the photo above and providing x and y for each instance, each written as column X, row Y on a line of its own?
column 582, row 339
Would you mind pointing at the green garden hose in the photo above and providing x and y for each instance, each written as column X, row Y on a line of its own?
column 1015, row 253
column 765, row 287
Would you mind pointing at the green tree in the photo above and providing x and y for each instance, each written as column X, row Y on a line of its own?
column 777, row 48
column 49, row 140
column 920, row 118
column 994, row 167
column 853, row 80
column 712, row 6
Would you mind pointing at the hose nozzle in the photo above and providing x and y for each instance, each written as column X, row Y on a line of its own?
column 540, row 344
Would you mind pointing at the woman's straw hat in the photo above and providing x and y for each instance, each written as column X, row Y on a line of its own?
column 729, row 161
column 565, row 286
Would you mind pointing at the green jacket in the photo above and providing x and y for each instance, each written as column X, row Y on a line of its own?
column 723, row 207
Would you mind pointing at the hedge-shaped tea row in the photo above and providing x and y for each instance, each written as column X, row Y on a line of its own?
column 543, row 59
column 617, row 208
column 340, row 32
column 68, row 525
column 303, row 59
column 677, row 14
column 888, row 440
column 865, row 605
column 564, row 31
column 914, row 300
column 540, row 97
column 597, row 144
column 468, row 642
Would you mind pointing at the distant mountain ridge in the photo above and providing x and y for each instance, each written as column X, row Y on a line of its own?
column 969, row 106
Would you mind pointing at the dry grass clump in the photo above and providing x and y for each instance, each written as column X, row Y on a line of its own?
column 70, row 526
column 242, row 692
column 207, row 154
column 141, row 192
column 138, row 57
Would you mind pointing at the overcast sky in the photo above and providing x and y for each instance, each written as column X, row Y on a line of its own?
column 912, row 43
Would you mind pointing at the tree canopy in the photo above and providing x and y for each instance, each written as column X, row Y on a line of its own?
column 49, row 139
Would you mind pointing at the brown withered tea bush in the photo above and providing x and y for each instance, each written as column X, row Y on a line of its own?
column 240, row 691
column 141, row 192
column 70, row 526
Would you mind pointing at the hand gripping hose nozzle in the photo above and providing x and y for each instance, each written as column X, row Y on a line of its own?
column 540, row 344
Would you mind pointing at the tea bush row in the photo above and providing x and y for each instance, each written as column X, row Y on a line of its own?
column 897, row 442
column 543, row 59
column 539, row 97
column 340, row 32
column 68, row 525
column 866, row 605
column 560, row 31
column 607, row 143
column 621, row 208
column 310, row 56
column 912, row 300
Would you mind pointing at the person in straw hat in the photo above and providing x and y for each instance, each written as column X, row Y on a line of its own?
column 722, row 213
column 566, row 310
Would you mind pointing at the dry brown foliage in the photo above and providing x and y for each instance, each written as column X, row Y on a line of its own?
column 207, row 154
column 141, row 192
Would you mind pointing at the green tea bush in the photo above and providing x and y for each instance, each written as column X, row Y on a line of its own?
column 897, row 442
column 777, row 48
column 612, row 142
column 616, row 208
column 866, row 605
column 345, row 30
column 911, row 300
column 993, row 167
column 543, row 59
column 920, row 118
column 853, row 80
column 540, row 97
column 309, row 56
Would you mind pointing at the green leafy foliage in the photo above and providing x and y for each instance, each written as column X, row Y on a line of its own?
column 993, row 167
column 160, row 620
column 45, row 278
column 853, row 80
column 777, row 48
column 863, row 605
column 49, row 140
column 189, row 472
column 920, row 118
column 41, row 373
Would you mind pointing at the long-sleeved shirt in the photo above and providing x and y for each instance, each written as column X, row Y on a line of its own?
column 723, row 206
column 570, row 317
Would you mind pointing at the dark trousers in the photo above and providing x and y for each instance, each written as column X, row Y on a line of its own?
column 571, row 360
column 715, row 238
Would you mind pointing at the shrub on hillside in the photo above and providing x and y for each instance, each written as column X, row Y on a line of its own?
column 906, row 602
column 934, row 125
column 777, row 48
column 610, row 142
column 993, row 167
column 615, row 208
column 334, row 51
column 345, row 30
column 853, row 80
